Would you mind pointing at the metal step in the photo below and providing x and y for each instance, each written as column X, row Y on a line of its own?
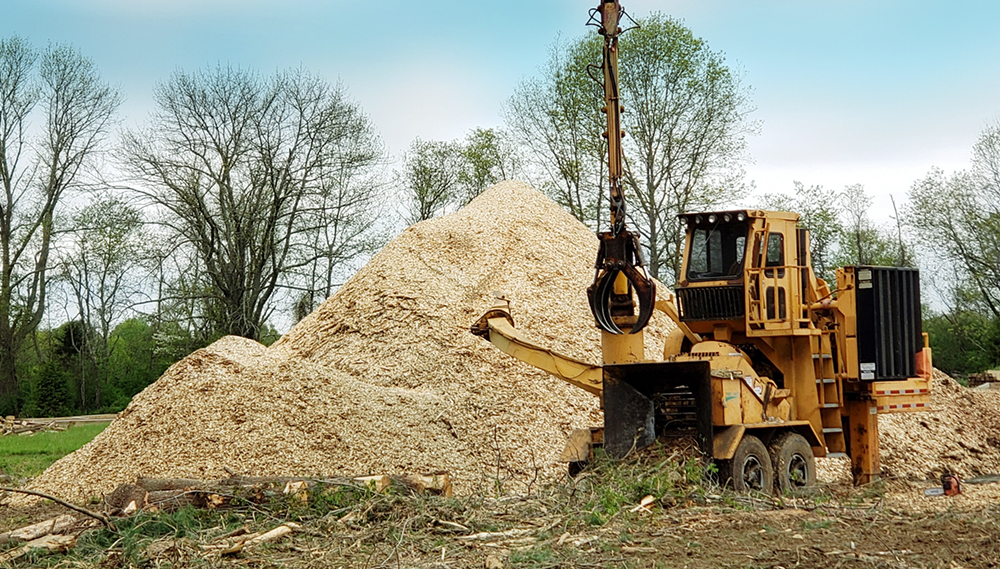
column 826, row 381
column 836, row 455
column 832, row 430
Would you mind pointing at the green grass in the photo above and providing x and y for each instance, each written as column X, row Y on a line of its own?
column 28, row 456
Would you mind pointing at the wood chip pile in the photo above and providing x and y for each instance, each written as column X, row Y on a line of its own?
column 960, row 434
column 384, row 377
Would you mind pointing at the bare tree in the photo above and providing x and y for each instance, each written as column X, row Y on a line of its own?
column 244, row 169
column 36, row 172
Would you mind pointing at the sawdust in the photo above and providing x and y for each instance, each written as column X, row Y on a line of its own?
column 384, row 377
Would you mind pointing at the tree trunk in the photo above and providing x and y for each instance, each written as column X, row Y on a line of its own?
column 9, row 386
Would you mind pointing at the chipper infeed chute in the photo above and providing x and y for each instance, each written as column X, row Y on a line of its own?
column 643, row 401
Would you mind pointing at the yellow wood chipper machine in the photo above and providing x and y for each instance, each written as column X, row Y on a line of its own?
column 768, row 366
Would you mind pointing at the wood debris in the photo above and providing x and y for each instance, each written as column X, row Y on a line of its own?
column 384, row 376
column 24, row 426
column 235, row 544
column 56, row 525
column 48, row 542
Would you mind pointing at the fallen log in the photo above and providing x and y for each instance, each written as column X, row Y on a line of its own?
column 168, row 494
column 56, row 525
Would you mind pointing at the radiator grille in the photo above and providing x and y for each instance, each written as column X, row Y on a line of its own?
column 711, row 303
column 889, row 322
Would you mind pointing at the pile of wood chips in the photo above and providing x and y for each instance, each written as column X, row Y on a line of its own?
column 959, row 434
column 384, row 377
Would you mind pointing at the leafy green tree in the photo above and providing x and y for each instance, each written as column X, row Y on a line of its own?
column 555, row 119
column 957, row 218
column 431, row 174
column 105, row 275
column 841, row 232
column 439, row 177
column 820, row 213
column 863, row 242
column 488, row 157
column 964, row 341
column 37, row 168
column 686, row 121
column 135, row 362
column 51, row 393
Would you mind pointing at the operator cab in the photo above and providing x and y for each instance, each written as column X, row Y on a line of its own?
column 749, row 268
column 718, row 244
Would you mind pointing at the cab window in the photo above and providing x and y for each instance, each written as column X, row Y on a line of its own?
column 717, row 252
column 775, row 250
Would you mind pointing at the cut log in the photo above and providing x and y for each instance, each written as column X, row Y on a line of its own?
column 437, row 483
column 125, row 495
column 49, row 542
column 376, row 483
column 56, row 525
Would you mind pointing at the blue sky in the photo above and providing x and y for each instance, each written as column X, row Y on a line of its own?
column 874, row 92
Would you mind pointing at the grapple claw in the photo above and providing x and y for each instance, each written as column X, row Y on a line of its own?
column 599, row 295
column 619, row 255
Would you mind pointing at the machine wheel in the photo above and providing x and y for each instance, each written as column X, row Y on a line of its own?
column 750, row 468
column 793, row 461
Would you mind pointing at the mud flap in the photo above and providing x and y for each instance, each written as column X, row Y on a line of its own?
column 645, row 400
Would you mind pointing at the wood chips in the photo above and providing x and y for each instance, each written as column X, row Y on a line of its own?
column 385, row 378
column 960, row 434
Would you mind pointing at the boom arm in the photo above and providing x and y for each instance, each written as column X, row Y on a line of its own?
column 497, row 326
column 620, row 272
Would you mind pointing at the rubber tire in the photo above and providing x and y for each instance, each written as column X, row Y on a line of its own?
column 750, row 468
column 793, row 463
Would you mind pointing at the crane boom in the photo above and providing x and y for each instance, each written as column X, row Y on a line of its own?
column 619, row 267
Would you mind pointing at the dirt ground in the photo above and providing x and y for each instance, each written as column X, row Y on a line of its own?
column 591, row 521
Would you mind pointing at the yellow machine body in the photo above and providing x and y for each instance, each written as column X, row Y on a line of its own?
column 768, row 367
column 777, row 350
